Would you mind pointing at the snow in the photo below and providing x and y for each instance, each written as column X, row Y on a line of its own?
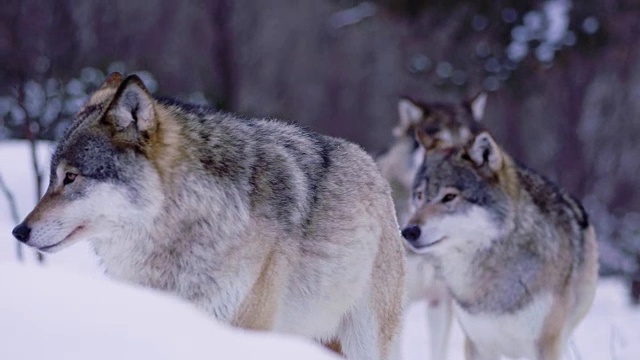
column 611, row 330
column 69, row 309
column 54, row 313
column 557, row 13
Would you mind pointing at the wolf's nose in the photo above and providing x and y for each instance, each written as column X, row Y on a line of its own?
column 21, row 232
column 411, row 233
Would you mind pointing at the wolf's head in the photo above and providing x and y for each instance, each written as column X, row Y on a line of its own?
column 461, row 196
column 101, row 176
column 447, row 124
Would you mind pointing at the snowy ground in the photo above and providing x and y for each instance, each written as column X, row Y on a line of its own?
column 72, row 284
column 49, row 313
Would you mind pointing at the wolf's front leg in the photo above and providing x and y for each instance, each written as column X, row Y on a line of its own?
column 550, row 348
column 439, row 315
column 471, row 352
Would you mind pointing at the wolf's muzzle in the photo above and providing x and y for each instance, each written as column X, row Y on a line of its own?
column 411, row 233
column 22, row 232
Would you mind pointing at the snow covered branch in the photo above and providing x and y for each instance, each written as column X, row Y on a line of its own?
column 14, row 212
column 352, row 15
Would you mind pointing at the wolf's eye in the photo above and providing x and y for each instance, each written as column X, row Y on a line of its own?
column 448, row 197
column 69, row 177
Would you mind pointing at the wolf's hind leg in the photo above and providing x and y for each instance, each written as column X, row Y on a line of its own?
column 333, row 345
column 395, row 353
column 358, row 333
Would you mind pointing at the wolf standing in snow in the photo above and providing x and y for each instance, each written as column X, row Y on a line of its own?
column 449, row 124
column 517, row 254
column 262, row 224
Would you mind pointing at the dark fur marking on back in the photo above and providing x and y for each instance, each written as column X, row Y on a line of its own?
column 314, row 181
column 549, row 193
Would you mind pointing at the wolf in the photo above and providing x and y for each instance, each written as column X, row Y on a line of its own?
column 518, row 254
column 449, row 124
column 262, row 224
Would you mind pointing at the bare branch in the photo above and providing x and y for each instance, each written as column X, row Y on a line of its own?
column 352, row 15
column 31, row 137
column 36, row 167
column 36, row 170
column 14, row 212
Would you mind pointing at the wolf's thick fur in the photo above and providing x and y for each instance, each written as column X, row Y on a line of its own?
column 517, row 254
column 262, row 224
column 449, row 124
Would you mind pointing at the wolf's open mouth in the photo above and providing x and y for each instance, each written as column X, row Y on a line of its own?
column 63, row 241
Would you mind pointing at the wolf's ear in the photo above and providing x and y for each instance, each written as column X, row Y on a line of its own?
column 106, row 90
column 410, row 114
column 485, row 152
column 424, row 139
column 477, row 104
column 112, row 81
column 132, row 107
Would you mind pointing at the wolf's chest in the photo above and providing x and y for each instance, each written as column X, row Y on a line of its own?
column 510, row 334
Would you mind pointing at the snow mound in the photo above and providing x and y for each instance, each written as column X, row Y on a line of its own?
column 47, row 313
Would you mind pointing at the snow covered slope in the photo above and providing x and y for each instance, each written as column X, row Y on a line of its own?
column 48, row 313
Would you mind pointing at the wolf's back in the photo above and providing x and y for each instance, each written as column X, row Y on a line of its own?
column 284, row 169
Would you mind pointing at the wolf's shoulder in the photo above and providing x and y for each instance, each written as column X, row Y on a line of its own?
column 551, row 199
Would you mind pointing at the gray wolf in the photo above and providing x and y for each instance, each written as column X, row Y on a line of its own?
column 262, row 224
column 518, row 255
column 449, row 124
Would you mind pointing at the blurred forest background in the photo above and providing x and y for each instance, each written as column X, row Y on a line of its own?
column 563, row 76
